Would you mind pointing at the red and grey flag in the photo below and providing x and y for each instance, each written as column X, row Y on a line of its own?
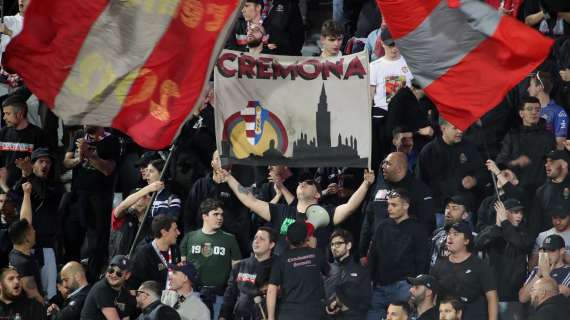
column 463, row 53
column 137, row 65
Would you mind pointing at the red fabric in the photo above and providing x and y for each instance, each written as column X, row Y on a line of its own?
column 116, row 223
column 482, row 78
column 47, row 48
column 168, row 85
column 404, row 16
column 454, row 3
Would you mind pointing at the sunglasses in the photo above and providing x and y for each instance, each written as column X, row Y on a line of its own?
column 117, row 272
column 139, row 292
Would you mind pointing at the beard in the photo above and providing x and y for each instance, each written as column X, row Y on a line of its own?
column 254, row 43
column 8, row 294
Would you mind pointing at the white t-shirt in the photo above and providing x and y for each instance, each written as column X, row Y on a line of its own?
column 388, row 77
column 541, row 236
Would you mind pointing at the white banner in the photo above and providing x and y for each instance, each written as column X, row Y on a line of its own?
column 296, row 111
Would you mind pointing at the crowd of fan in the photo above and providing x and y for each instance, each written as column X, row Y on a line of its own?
column 447, row 225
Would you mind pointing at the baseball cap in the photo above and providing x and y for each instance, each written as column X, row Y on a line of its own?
column 425, row 280
column 40, row 152
column 386, row 37
column 121, row 261
column 559, row 212
column 457, row 199
column 558, row 155
column 297, row 232
column 461, row 227
column 553, row 242
column 188, row 269
column 513, row 205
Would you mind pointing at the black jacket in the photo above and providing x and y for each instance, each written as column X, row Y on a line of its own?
column 246, row 278
column 547, row 197
column 533, row 142
column 285, row 27
column 159, row 311
column 350, row 282
column 442, row 167
column 486, row 215
column 376, row 208
column 554, row 308
column 71, row 308
column 146, row 265
column 29, row 309
column 505, row 249
column 398, row 251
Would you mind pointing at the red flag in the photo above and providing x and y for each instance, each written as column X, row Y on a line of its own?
column 464, row 54
column 138, row 66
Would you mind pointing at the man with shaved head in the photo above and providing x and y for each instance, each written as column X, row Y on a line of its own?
column 549, row 304
column 395, row 175
column 74, row 280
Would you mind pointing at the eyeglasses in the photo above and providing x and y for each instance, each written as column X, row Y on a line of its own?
column 337, row 244
column 117, row 272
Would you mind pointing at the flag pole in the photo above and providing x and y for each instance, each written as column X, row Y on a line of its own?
column 163, row 173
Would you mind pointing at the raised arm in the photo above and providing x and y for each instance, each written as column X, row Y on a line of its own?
column 345, row 210
column 261, row 208
column 133, row 198
column 26, row 209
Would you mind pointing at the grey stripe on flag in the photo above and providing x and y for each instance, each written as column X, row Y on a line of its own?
column 120, row 41
column 447, row 35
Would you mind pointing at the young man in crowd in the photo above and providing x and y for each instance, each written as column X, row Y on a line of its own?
column 451, row 309
column 213, row 252
column 18, row 139
column 347, row 287
column 331, row 39
column 560, row 226
column 308, row 193
column 399, row 249
column 524, row 147
column 540, row 87
column 456, row 210
column 92, row 156
column 74, row 280
column 109, row 298
column 551, row 193
column 423, row 296
column 550, row 264
column 505, row 248
column 182, row 296
column 395, row 175
column 297, row 275
column 148, row 301
column 23, row 237
column 249, row 279
column 462, row 274
column 398, row 310
column 13, row 300
column 152, row 260
column 450, row 165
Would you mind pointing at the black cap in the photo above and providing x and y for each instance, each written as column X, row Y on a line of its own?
column 121, row 261
column 558, row 155
column 40, row 152
column 553, row 242
column 425, row 280
column 513, row 205
column 457, row 199
column 386, row 37
column 188, row 269
column 461, row 227
column 297, row 232
column 146, row 158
